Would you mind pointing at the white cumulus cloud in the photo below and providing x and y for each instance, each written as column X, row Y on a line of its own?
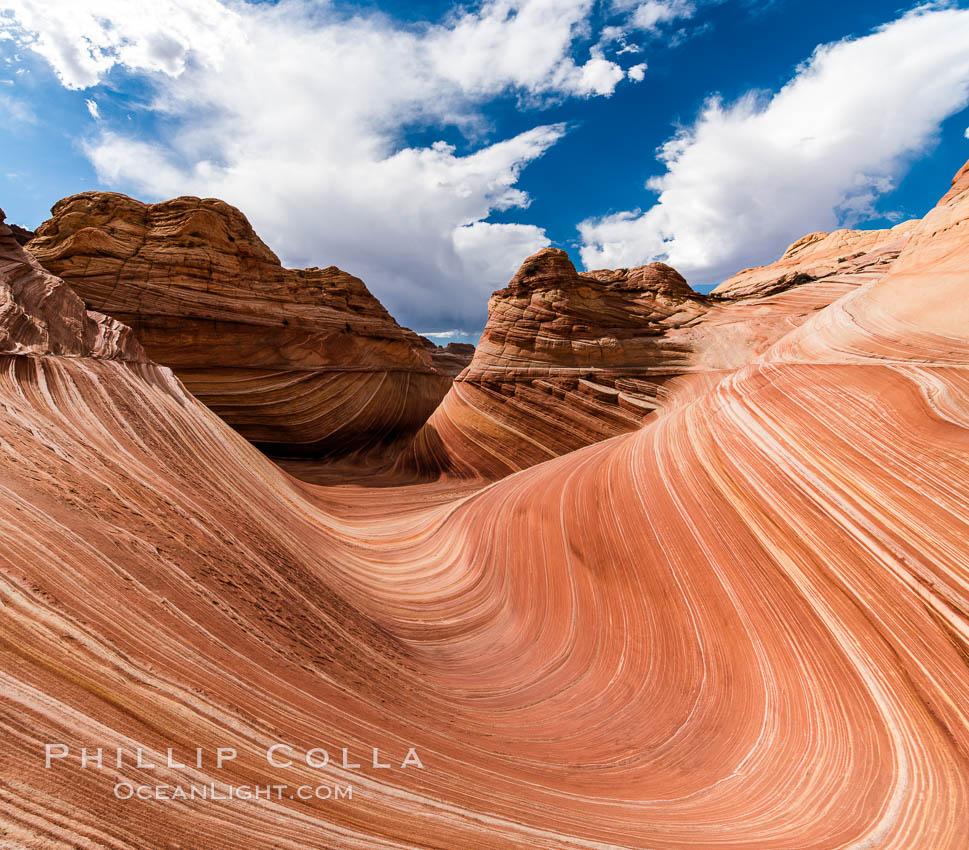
column 747, row 178
column 652, row 14
column 83, row 40
column 298, row 112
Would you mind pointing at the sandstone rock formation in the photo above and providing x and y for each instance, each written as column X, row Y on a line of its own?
column 451, row 359
column 568, row 358
column 40, row 314
column 821, row 255
column 743, row 625
column 300, row 362
column 21, row 234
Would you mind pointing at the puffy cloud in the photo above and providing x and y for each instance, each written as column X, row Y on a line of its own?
column 83, row 40
column 510, row 43
column 298, row 113
column 495, row 251
column 742, row 182
column 654, row 13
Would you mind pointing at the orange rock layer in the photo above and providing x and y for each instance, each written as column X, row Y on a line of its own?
column 742, row 626
column 568, row 359
column 300, row 362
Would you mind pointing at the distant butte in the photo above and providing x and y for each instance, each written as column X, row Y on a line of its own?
column 452, row 359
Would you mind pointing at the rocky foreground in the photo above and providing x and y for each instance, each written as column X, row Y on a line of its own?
column 740, row 623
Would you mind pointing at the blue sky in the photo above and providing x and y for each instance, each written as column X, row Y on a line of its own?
column 429, row 148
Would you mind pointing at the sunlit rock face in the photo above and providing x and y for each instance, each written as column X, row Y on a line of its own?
column 298, row 361
column 742, row 625
column 566, row 359
column 40, row 314
column 571, row 358
column 818, row 256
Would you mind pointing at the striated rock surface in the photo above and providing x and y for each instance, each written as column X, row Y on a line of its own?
column 298, row 361
column 568, row 359
column 742, row 626
column 40, row 314
column 820, row 255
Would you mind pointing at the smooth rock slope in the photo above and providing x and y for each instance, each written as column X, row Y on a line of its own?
column 299, row 361
column 742, row 626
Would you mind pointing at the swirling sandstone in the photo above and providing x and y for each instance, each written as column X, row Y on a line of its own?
column 821, row 255
column 742, row 626
column 298, row 361
column 568, row 358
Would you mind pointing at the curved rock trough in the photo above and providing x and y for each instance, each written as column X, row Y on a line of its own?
column 740, row 623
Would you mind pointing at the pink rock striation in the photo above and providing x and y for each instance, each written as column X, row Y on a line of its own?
column 568, row 359
column 742, row 625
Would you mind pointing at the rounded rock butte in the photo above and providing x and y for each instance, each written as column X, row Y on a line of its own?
column 301, row 362
column 571, row 358
column 740, row 625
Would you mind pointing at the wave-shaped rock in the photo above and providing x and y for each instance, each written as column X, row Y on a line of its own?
column 743, row 625
column 298, row 361
column 565, row 359
column 568, row 358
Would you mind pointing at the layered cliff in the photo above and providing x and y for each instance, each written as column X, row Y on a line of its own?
column 743, row 625
column 568, row 358
column 298, row 361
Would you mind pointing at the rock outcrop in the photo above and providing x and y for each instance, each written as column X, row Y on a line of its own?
column 40, row 314
column 298, row 361
column 568, row 358
column 21, row 234
column 818, row 256
column 451, row 359
column 742, row 625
